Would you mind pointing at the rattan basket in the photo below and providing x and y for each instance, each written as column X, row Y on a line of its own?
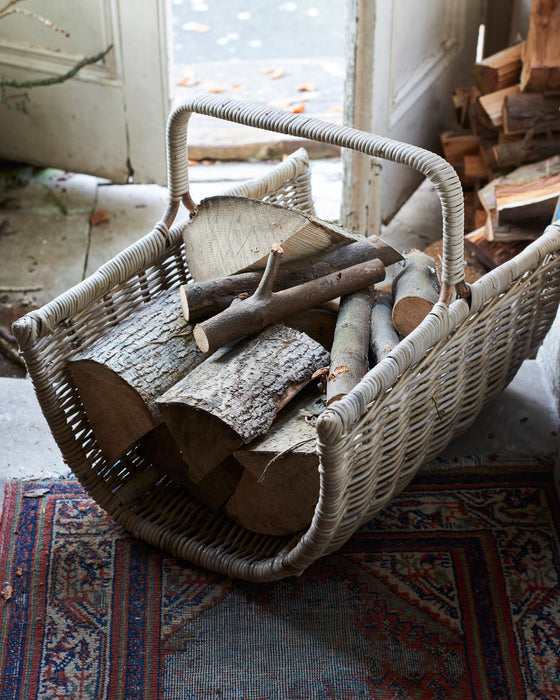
column 370, row 443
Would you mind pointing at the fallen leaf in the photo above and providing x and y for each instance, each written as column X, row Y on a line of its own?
column 187, row 72
column 36, row 493
column 266, row 71
column 296, row 109
column 19, row 571
column 237, row 86
column 216, row 89
column 278, row 73
column 98, row 217
column 196, row 27
column 187, row 82
column 7, row 592
column 306, row 87
column 334, row 110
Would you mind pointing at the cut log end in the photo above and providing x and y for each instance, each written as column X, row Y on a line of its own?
column 410, row 313
column 201, row 339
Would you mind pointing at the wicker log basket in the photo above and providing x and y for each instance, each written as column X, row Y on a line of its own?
column 372, row 442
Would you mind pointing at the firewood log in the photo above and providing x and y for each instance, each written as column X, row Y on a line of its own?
column 541, row 50
column 121, row 375
column 214, row 490
column 248, row 316
column 279, row 489
column 234, row 234
column 384, row 336
column 415, row 290
column 234, row 396
column 499, row 70
column 199, row 299
column 350, row 350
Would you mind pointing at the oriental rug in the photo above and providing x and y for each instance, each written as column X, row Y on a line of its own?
column 453, row 592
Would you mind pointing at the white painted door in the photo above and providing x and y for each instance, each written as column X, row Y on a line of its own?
column 405, row 58
column 108, row 120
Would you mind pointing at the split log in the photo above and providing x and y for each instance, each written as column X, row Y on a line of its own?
column 213, row 491
column 234, row 396
column 384, row 336
column 415, row 290
column 500, row 70
column 199, row 299
column 530, row 112
column 457, row 145
column 279, row 490
column 350, row 349
column 248, row 316
column 121, row 375
column 234, row 234
column 532, row 201
column 541, row 51
column 493, row 103
column 492, row 253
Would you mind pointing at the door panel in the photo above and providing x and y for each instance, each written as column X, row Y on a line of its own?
column 421, row 51
column 109, row 120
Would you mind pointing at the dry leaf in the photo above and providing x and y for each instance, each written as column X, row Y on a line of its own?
column 296, row 109
column 237, row 86
column 7, row 592
column 98, row 217
column 266, row 71
column 196, row 27
column 306, row 87
column 216, row 89
column 334, row 110
column 36, row 493
column 187, row 82
column 278, row 73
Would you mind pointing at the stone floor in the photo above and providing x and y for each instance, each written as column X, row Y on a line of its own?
column 48, row 243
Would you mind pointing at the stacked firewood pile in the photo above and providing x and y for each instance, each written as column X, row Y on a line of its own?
column 218, row 383
column 506, row 146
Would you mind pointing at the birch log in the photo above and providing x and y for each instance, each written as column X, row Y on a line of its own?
column 279, row 489
column 121, row 375
column 415, row 291
column 199, row 299
column 350, row 349
column 384, row 336
column 234, row 396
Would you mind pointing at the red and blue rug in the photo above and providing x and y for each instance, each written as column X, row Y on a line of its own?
column 452, row 593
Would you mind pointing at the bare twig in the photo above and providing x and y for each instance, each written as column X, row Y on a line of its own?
column 6, row 12
column 9, row 82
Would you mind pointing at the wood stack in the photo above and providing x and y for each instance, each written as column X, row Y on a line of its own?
column 507, row 140
column 218, row 384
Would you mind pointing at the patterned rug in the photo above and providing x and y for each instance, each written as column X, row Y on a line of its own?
column 452, row 593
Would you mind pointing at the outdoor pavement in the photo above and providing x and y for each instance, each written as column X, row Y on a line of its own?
column 48, row 243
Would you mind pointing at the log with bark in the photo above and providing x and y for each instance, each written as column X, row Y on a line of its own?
column 234, row 234
column 122, row 374
column 350, row 349
column 526, row 150
column 199, row 299
column 384, row 336
column 279, row 489
column 415, row 290
column 531, row 112
column 234, row 396
column 264, row 307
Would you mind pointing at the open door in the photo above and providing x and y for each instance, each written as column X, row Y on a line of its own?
column 404, row 59
column 109, row 119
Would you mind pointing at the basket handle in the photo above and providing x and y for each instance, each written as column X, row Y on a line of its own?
column 436, row 169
